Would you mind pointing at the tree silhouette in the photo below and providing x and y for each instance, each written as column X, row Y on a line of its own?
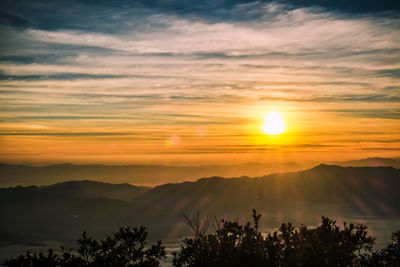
column 34, row 260
column 232, row 244
column 389, row 256
column 229, row 244
column 126, row 248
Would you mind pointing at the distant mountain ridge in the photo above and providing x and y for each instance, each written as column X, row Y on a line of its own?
column 372, row 162
column 323, row 184
column 150, row 175
column 59, row 212
column 79, row 189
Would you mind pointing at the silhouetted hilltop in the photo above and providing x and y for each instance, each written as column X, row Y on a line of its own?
column 35, row 214
column 361, row 190
column 93, row 189
column 75, row 189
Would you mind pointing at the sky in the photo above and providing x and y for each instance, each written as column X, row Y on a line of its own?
column 191, row 82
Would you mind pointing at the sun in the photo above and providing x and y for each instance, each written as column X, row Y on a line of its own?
column 274, row 123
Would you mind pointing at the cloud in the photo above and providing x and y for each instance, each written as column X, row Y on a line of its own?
column 12, row 20
column 369, row 113
column 59, row 76
column 165, row 68
column 103, row 16
column 359, row 98
column 392, row 73
column 79, row 134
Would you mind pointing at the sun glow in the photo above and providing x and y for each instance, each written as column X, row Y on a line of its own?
column 274, row 123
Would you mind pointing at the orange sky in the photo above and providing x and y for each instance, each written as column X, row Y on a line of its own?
column 232, row 133
column 184, row 90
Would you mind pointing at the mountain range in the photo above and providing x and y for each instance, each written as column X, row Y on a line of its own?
column 36, row 215
column 152, row 175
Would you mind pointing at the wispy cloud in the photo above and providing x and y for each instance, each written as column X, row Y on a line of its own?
column 198, row 69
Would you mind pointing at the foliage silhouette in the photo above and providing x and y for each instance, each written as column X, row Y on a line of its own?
column 389, row 256
column 232, row 244
column 126, row 248
column 229, row 244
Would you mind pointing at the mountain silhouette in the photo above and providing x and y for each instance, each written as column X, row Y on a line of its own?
column 56, row 213
column 358, row 190
column 151, row 175
column 12, row 175
column 372, row 162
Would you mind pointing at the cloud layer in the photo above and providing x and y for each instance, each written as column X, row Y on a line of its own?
column 132, row 77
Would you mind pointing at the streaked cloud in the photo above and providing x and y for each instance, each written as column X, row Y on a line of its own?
column 151, row 70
